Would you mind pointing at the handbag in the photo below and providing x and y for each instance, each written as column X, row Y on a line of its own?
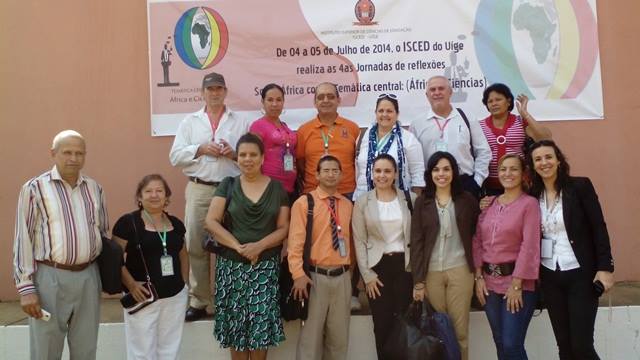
column 410, row 340
column 128, row 301
column 209, row 243
column 290, row 308
column 441, row 325
column 110, row 265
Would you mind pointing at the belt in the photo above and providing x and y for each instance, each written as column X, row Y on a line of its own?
column 76, row 267
column 330, row 272
column 394, row 253
column 200, row 181
column 496, row 270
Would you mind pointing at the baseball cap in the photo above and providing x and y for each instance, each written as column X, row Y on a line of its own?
column 213, row 79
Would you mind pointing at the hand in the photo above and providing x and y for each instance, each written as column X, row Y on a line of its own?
column 419, row 294
column 138, row 291
column 606, row 278
column 251, row 251
column 31, row 305
column 226, row 150
column 521, row 104
column 486, row 201
column 300, row 287
column 514, row 299
column 481, row 291
column 372, row 288
column 283, row 253
column 210, row 148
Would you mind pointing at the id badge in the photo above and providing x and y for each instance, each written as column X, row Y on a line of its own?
column 441, row 145
column 288, row 162
column 342, row 248
column 166, row 265
column 546, row 249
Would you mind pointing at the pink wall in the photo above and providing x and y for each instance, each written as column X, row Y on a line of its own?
column 83, row 65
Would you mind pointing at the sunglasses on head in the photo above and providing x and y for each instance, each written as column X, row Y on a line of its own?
column 390, row 96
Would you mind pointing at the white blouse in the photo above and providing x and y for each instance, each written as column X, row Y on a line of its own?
column 555, row 248
column 391, row 224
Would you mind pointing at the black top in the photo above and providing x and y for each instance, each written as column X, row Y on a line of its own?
column 586, row 228
column 166, row 286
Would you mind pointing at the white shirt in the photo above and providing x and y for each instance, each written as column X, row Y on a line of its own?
column 555, row 233
column 391, row 225
column 413, row 171
column 456, row 137
column 195, row 130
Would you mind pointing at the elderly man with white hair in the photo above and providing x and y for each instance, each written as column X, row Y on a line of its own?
column 60, row 219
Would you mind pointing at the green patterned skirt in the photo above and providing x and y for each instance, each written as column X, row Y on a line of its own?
column 247, row 305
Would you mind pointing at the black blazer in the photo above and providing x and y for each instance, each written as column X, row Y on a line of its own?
column 585, row 225
column 425, row 227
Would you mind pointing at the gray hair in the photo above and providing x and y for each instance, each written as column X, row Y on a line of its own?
column 64, row 134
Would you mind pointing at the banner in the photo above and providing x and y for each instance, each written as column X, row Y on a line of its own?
column 546, row 49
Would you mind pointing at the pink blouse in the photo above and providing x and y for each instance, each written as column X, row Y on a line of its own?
column 508, row 233
column 275, row 139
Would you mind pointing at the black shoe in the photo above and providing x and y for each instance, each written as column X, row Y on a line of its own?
column 194, row 314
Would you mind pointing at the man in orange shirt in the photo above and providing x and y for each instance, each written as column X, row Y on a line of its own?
column 328, row 133
column 325, row 334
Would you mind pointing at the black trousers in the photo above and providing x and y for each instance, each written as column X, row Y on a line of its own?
column 396, row 295
column 572, row 305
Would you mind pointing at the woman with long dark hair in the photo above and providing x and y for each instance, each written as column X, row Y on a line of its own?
column 577, row 265
column 443, row 223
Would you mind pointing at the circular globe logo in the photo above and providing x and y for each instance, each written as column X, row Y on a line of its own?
column 540, row 48
column 201, row 37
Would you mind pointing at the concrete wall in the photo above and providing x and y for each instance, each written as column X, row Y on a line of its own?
column 83, row 65
column 616, row 338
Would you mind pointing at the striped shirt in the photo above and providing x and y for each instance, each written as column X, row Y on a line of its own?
column 58, row 223
column 508, row 140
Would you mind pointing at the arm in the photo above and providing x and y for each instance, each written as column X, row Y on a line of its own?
column 415, row 160
column 295, row 247
column 184, row 264
column 184, row 152
column 213, row 224
column 360, row 236
column 481, row 150
column 534, row 129
column 528, row 260
column 252, row 250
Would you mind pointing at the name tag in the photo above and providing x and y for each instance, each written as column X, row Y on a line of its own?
column 342, row 248
column 288, row 162
column 546, row 249
column 166, row 265
column 441, row 145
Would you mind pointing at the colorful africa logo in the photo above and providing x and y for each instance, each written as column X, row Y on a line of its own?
column 201, row 37
column 544, row 49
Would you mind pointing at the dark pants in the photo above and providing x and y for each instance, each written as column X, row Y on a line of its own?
column 572, row 305
column 395, row 296
column 509, row 330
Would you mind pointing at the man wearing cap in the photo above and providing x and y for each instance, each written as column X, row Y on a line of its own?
column 204, row 148
column 60, row 219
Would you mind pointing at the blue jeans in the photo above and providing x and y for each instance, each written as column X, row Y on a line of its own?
column 509, row 330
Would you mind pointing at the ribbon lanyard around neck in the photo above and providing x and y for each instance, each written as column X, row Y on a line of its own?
column 442, row 127
column 325, row 138
column 162, row 235
column 383, row 141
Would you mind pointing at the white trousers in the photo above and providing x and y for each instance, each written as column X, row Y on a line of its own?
column 155, row 332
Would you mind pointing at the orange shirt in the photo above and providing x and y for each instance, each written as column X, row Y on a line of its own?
column 342, row 144
column 322, row 252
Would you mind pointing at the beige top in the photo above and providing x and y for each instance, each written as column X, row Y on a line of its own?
column 448, row 251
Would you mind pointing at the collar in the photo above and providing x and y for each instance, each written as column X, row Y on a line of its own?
column 227, row 111
column 324, row 195
column 55, row 175
column 431, row 114
column 510, row 120
column 318, row 124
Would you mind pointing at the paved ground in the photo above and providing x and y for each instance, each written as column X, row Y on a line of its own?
column 624, row 293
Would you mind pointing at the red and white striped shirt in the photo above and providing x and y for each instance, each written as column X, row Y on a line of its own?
column 508, row 140
column 58, row 223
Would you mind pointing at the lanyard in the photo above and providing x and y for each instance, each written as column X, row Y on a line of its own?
column 325, row 138
column 334, row 214
column 441, row 127
column 214, row 122
column 162, row 235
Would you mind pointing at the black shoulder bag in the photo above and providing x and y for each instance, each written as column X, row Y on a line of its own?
column 209, row 243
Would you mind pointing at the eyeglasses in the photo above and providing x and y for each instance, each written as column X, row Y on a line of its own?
column 390, row 96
